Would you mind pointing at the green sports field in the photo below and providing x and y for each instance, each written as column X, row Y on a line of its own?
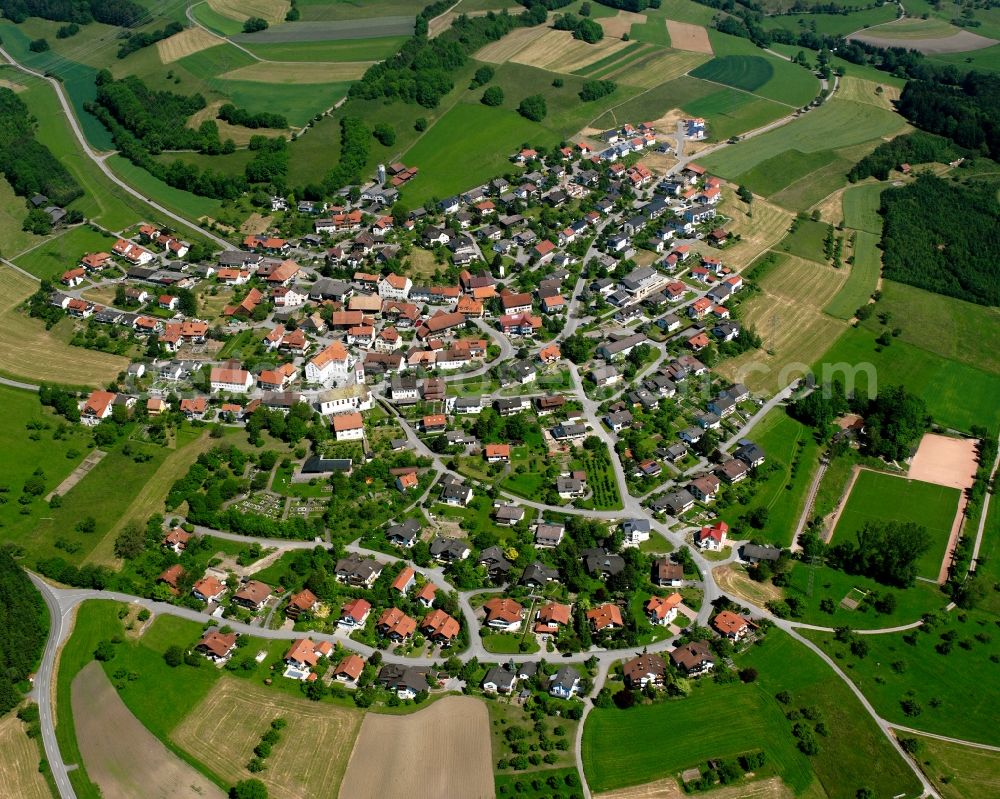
column 884, row 497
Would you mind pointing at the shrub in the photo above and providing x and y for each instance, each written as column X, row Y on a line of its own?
column 493, row 96
column 533, row 107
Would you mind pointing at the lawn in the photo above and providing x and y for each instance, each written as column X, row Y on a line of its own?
column 807, row 240
column 829, row 583
column 508, row 644
column 833, row 24
column 952, row 328
column 836, row 124
column 791, row 448
column 884, row 497
column 957, row 395
column 959, row 771
column 863, row 278
column 21, row 452
column 63, row 251
column 735, row 718
column 923, row 666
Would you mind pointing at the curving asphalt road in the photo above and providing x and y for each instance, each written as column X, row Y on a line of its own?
column 85, row 145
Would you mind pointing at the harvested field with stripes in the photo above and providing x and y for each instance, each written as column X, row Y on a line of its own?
column 502, row 51
column 299, row 72
column 617, row 26
column 558, row 51
column 191, row 40
column 652, row 69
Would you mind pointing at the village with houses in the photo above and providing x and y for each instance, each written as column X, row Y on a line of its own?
column 512, row 473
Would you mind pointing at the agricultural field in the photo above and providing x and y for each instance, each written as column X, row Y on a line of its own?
column 873, row 92
column 958, row 771
column 363, row 9
column 761, row 228
column 791, row 448
column 373, row 49
column 884, row 497
column 863, row 278
column 272, row 10
column 952, row 328
column 557, row 51
column 188, row 41
column 836, row 124
column 833, row 24
column 442, row 750
column 12, row 213
column 729, row 112
column 742, row 64
column 450, row 160
column 788, row 315
column 61, row 252
column 222, row 730
column 929, row 36
column 957, row 395
column 685, row 36
column 806, row 241
column 29, row 351
column 861, row 204
column 122, row 756
column 923, row 665
column 19, row 771
column 295, row 73
column 316, row 31
column 987, row 59
column 744, row 717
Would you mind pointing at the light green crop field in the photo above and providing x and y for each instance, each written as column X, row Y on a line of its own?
column 957, row 395
column 783, row 490
column 807, row 241
column 63, row 252
column 778, row 172
column 900, row 666
column 654, row 32
column 955, row 329
column 987, row 59
column 836, row 124
column 375, row 49
column 735, row 718
column 863, row 278
column 884, row 497
column 738, row 59
column 861, row 204
column 215, row 21
column 913, row 28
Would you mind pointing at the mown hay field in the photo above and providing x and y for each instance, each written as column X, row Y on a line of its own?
column 19, row 775
column 297, row 73
column 788, row 315
column 29, row 351
column 560, row 52
column 685, row 36
column 191, row 40
column 308, row 761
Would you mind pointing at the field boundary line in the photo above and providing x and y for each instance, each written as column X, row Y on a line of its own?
column 744, row 91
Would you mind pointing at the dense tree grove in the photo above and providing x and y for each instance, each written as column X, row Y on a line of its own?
column 144, row 123
column 533, row 108
column 583, row 28
column 139, row 40
column 421, row 72
column 22, row 629
column 942, row 236
column 884, row 551
column 123, row 13
column 596, row 89
column 630, row 5
column 913, row 148
column 355, row 142
column 967, row 113
column 28, row 165
column 240, row 116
